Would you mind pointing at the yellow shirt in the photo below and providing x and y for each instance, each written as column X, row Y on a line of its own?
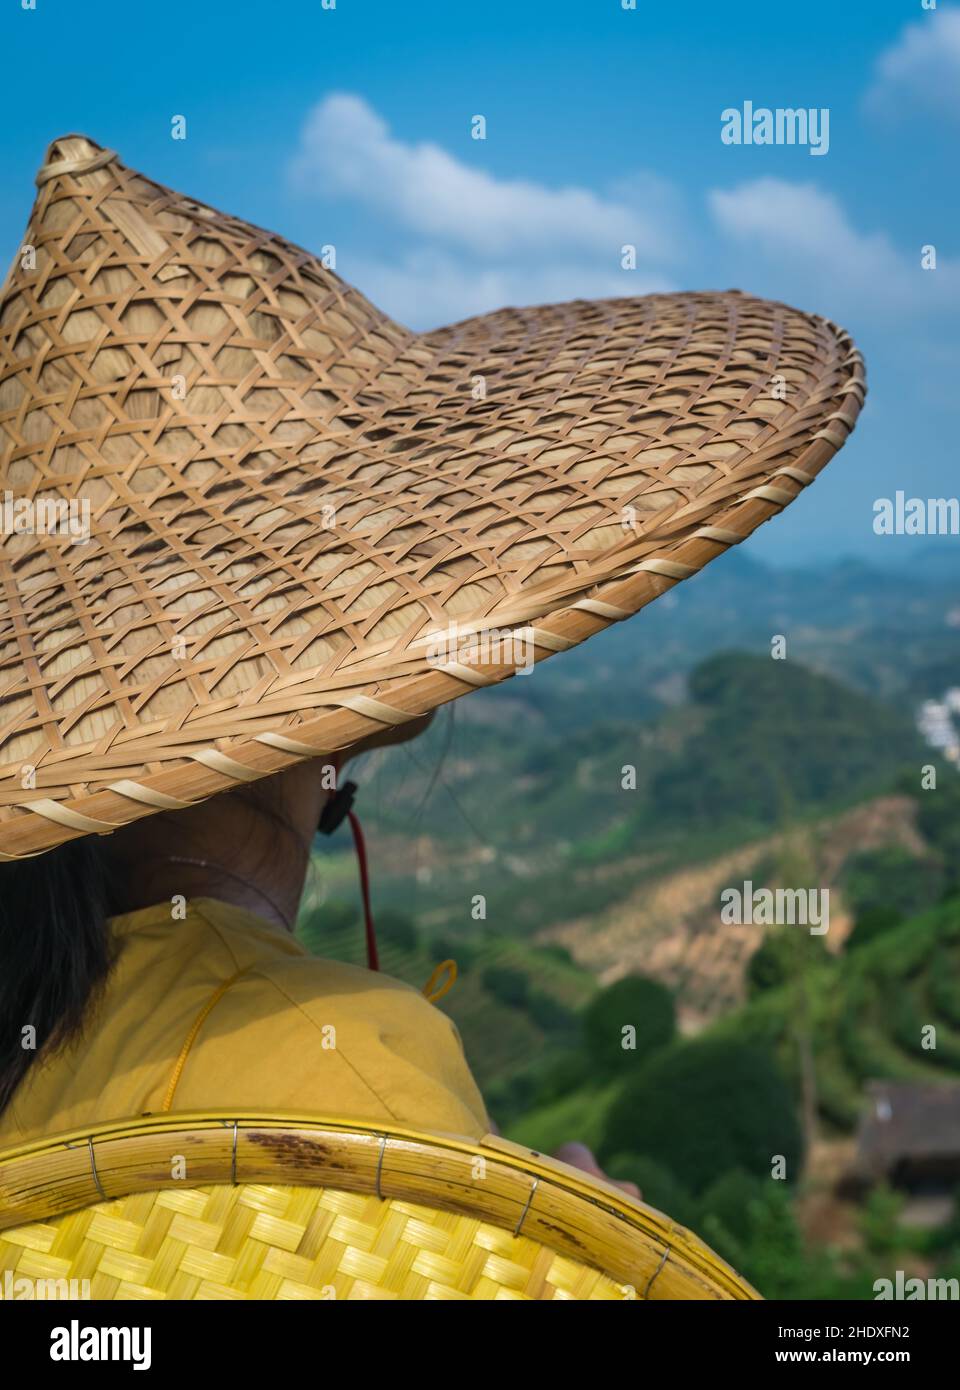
column 290, row 1033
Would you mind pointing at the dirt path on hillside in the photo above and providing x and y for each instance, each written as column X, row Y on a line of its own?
column 671, row 929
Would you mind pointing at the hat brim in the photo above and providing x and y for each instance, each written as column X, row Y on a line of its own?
column 340, row 525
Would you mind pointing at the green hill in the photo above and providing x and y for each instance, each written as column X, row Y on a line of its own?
column 536, row 816
column 777, row 738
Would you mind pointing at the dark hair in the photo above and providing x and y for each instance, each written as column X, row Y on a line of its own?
column 56, row 947
column 55, row 952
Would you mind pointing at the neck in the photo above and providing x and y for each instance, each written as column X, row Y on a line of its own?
column 248, row 850
column 278, row 906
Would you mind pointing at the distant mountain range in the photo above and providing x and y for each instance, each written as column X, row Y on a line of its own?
column 873, row 628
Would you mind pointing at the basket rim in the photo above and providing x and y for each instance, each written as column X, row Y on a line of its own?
column 573, row 1207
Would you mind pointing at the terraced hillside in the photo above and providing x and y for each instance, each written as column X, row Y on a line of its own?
column 864, row 1011
column 869, row 1013
column 670, row 928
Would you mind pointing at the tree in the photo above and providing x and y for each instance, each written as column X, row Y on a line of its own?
column 871, row 923
column 658, row 1188
column 767, row 967
column 634, row 1003
column 730, row 1200
column 700, row 1108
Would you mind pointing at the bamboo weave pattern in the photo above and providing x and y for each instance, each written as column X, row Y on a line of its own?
column 291, row 496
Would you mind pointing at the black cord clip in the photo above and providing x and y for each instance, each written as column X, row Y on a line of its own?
column 336, row 809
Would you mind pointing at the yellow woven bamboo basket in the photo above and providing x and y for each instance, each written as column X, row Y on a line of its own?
column 289, row 1206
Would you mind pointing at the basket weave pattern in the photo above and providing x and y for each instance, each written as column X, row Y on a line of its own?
column 261, row 1242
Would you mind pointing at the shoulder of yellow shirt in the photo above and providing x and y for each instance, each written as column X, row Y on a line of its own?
column 397, row 1013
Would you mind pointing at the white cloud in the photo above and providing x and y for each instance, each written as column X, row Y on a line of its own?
column 347, row 150
column 427, row 288
column 806, row 235
column 922, row 69
column 464, row 242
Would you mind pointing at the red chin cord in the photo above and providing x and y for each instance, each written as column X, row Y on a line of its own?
column 373, row 960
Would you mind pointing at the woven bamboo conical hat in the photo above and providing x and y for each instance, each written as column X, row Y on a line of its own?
column 288, row 498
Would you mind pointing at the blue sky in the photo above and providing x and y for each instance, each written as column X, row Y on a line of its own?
column 352, row 126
